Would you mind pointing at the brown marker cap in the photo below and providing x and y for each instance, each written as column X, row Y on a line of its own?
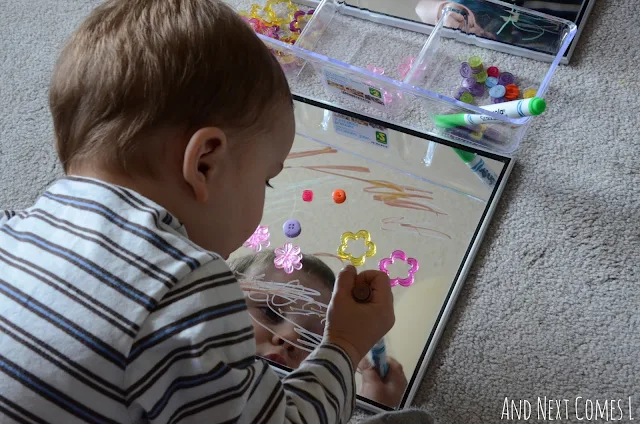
column 361, row 293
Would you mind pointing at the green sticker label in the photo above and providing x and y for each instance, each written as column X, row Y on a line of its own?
column 351, row 87
column 360, row 130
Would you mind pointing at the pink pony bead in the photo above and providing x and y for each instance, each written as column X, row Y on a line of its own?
column 256, row 24
column 400, row 255
column 270, row 32
column 259, row 239
column 405, row 66
column 288, row 258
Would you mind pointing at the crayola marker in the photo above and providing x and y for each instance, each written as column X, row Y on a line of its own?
column 515, row 109
column 477, row 165
column 379, row 358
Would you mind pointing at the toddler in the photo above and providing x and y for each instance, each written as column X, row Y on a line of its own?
column 170, row 117
column 288, row 311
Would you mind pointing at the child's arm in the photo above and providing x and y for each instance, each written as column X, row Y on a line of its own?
column 194, row 361
column 5, row 216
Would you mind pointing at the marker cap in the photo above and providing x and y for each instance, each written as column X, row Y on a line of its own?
column 537, row 106
column 450, row 121
column 464, row 155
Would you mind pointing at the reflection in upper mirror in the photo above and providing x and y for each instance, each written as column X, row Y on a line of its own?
column 488, row 20
column 344, row 175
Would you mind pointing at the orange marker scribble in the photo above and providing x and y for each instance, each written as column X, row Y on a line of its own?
column 306, row 153
column 388, row 224
column 390, row 194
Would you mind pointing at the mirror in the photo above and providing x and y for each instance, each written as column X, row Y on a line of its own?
column 408, row 192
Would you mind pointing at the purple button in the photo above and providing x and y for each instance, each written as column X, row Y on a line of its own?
column 292, row 228
column 497, row 100
column 497, row 91
column 506, row 78
column 477, row 90
column 465, row 70
column 491, row 82
column 469, row 82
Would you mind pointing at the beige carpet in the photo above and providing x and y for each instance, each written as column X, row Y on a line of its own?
column 552, row 305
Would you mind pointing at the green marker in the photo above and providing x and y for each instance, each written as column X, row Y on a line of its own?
column 477, row 165
column 515, row 109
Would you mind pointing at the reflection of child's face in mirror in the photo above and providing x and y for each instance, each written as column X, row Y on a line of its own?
column 276, row 338
column 278, row 328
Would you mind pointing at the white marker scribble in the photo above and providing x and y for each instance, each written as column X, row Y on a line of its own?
column 281, row 298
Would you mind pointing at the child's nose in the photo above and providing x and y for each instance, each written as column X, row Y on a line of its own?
column 286, row 337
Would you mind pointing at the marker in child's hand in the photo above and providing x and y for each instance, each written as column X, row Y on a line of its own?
column 361, row 293
column 379, row 358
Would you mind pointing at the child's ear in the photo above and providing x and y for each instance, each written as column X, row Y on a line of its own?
column 204, row 155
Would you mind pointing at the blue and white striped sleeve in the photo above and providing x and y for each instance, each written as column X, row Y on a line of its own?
column 194, row 361
column 6, row 216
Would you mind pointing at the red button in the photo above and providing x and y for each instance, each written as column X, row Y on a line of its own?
column 339, row 196
column 493, row 71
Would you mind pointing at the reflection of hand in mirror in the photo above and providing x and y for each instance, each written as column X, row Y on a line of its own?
column 387, row 391
column 288, row 311
column 430, row 11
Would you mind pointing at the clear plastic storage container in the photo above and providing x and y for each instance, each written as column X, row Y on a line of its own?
column 348, row 56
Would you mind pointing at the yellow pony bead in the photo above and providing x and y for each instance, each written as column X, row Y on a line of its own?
column 255, row 11
column 273, row 16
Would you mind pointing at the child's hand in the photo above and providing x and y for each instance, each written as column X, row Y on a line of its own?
column 430, row 11
column 457, row 21
column 388, row 391
column 354, row 326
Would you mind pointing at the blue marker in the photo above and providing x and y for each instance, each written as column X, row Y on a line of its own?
column 379, row 358
column 477, row 165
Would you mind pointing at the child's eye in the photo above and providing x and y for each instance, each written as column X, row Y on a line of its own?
column 269, row 184
column 271, row 315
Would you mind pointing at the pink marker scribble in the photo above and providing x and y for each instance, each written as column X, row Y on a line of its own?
column 400, row 255
column 259, row 239
column 288, row 258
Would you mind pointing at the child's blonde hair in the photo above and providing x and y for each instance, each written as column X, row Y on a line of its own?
column 311, row 265
column 139, row 65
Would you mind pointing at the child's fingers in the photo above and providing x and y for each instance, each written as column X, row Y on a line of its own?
column 371, row 376
column 396, row 373
column 379, row 283
column 375, row 279
column 346, row 280
column 364, row 364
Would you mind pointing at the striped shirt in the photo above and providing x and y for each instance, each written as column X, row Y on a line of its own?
column 109, row 314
